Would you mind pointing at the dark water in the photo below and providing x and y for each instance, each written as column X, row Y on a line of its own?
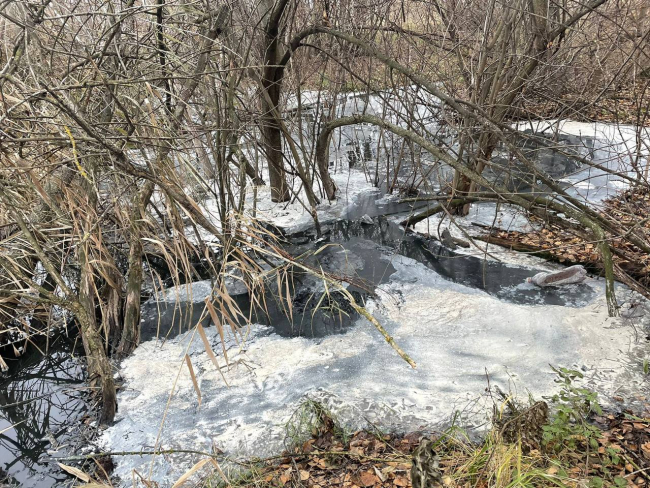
column 504, row 281
column 359, row 252
column 496, row 278
column 312, row 311
column 317, row 313
column 44, row 399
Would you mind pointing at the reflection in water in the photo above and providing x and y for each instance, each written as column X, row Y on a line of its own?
column 359, row 252
column 504, row 281
column 43, row 398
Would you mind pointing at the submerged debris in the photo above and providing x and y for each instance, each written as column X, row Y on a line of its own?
column 568, row 276
column 447, row 239
column 452, row 242
column 367, row 220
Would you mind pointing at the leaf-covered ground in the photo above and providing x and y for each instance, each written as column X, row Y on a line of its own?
column 618, row 455
column 626, row 105
column 631, row 209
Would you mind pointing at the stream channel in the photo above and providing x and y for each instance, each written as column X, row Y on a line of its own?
column 460, row 316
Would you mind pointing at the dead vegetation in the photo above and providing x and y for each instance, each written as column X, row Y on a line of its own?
column 607, row 450
column 570, row 246
column 629, row 104
column 117, row 121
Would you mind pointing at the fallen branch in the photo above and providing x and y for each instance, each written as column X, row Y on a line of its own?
column 456, row 202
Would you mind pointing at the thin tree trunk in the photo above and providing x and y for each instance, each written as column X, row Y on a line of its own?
column 131, row 328
column 100, row 372
column 322, row 153
column 271, row 131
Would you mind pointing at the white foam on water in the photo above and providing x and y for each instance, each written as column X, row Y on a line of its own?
column 456, row 335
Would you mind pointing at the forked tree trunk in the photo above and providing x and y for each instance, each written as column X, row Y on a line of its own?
column 463, row 187
column 496, row 91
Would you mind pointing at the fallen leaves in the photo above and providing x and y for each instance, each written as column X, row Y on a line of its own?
column 304, row 475
column 368, row 478
column 285, row 475
column 623, row 107
column 630, row 210
column 365, row 461
column 368, row 460
column 624, row 447
column 402, row 480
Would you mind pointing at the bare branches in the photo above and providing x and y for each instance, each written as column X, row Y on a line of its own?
column 133, row 138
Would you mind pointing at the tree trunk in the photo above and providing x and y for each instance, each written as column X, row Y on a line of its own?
column 131, row 328
column 322, row 156
column 464, row 187
column 100, row 372
column 271, row 131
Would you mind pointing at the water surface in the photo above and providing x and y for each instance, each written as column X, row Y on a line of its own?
column 44, row 399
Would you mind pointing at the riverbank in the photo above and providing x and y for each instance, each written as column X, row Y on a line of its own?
column 631, row 208
column 456, row 313
column 573, row 447
column 625, row 105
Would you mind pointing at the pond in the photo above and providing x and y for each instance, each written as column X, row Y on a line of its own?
column 350, row 247
column 462, row 319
